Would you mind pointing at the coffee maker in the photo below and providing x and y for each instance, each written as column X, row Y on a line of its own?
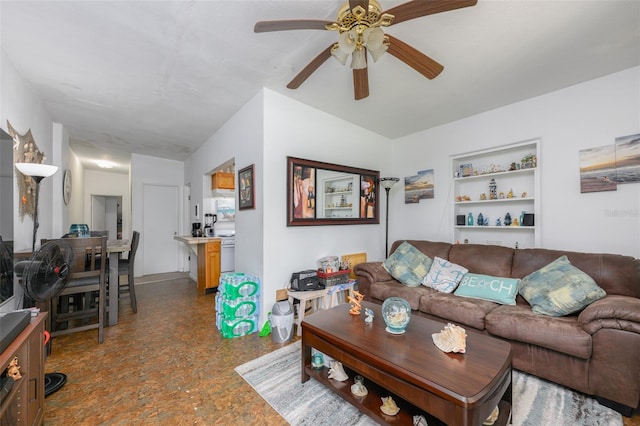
column 196, row 229
column 209, row 220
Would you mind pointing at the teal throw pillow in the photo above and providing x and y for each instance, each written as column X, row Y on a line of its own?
column 494, row 289
column 444, row 276
column 408, row 265
column 559, row 288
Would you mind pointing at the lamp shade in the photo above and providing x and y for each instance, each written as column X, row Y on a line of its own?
column 36, row 170
column 358, row 59
column 339, row 55
column 388, row 182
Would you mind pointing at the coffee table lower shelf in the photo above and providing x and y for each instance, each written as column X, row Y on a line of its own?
column 370, row 404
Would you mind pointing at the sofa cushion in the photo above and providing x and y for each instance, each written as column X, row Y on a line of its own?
column 494, row 289
column 559, row 288
column 483, row 259
column 519, row 323
column 458, row 310
column 386, row 289
column 443, row 275
column 408, row 265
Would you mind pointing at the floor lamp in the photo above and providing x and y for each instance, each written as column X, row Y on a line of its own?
column 37, row 173
column 387, row 183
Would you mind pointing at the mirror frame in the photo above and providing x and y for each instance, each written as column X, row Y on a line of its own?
column 300, row 166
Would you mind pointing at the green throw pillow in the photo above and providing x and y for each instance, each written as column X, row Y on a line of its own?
column 408, row 265
column 559, row 289
column 494, row 289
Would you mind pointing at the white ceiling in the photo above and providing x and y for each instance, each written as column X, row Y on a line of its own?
column 159, row 77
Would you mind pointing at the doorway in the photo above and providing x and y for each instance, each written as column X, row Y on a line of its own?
column 106, row 215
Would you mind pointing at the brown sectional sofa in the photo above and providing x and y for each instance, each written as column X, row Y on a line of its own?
column 595, row 351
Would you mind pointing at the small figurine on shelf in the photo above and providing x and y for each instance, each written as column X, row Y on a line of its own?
column 317, row 361
column 369, row 313
column 486, row 221
column 493, row 188
column 13, row 370
column 501, row 195
column 470, row 219
column 389, row 406
column 507, row 219
column 498, row 222
column 515, row 222
column 480, row 220
column 510, row 193
column 483, row 196
column 356, row 305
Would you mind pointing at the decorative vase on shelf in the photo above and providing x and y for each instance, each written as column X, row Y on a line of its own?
column 396, row 313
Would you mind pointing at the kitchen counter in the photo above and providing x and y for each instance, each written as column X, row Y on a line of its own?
column 187, row 239
column 207, row 250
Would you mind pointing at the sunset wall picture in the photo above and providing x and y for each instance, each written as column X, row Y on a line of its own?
column 604, row 167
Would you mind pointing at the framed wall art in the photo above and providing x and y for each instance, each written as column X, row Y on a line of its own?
column 246, row 189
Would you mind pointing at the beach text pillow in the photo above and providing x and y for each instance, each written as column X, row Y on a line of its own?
column 494, row 289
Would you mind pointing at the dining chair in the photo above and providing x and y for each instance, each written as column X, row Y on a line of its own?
column 126, row 267
column 86, row 287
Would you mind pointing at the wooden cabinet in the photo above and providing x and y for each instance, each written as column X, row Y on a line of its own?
column 493, row 183
column 208, row 266
column 25, row 402
column 221, row 180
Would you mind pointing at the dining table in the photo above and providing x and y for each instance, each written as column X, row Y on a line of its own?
column 115, row 248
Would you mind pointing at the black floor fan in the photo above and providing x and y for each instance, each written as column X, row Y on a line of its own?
column 43, row 277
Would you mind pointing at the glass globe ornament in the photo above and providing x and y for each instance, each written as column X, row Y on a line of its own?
column 396, row 313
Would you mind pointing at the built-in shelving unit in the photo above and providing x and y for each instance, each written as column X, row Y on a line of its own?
column 515, row 171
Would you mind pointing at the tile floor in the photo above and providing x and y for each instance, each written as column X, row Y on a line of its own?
column 165, row 365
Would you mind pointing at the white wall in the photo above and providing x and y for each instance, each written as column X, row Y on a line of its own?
column 584, row 116
column 23, row 109
column 297, row 130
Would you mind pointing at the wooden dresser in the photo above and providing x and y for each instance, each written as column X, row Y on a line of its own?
column 24, row 405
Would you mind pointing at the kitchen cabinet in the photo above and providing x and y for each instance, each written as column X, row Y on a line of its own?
column 222, row 180
column 492, row 183
column 24, row 404
column 208, row 266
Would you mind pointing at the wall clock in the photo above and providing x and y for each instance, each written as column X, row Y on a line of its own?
column 66, row 186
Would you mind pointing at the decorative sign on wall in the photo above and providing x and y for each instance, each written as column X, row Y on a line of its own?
column 25, row 150
column 418, row 187
column 605, row 167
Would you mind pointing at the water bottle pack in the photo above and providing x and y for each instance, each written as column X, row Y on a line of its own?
column 237, row 304
column 237, row 327
column 236, row 308
column 235, row 285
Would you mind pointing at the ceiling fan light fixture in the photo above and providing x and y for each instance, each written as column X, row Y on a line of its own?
column 338, row 54
column 358, row 59
column 348, row 41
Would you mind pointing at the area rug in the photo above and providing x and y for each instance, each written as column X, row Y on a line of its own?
column 276, row 377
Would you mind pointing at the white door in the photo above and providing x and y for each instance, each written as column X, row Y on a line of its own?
column 161, row 205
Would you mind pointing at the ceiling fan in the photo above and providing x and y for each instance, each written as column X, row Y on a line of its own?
column 359, row 30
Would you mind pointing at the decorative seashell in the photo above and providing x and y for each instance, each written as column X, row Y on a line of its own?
column 336, row 372
column 492, row 417
column 451, row 339
column 389, row 406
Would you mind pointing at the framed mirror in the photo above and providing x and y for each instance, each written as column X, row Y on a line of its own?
column 330, row 194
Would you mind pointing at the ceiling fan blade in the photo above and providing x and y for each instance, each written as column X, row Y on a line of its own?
column 415, row 59
column 361, row 83
column 291, row 24
column 310, row 68
column 417, row 8
column 354, row 3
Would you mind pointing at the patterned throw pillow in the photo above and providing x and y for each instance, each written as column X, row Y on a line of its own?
column 444, row 276
column 494, row 289
column 408, row 265
column 559, row 289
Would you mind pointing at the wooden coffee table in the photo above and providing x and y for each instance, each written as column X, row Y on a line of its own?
column 457, row 389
